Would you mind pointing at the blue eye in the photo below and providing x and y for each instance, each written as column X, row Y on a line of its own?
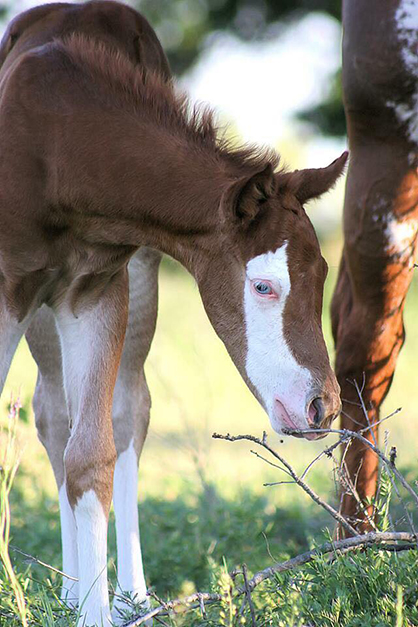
column 263, row 288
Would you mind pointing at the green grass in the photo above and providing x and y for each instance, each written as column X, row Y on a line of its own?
column 202, row 502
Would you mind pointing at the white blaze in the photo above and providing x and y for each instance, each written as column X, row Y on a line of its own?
column 270, row 364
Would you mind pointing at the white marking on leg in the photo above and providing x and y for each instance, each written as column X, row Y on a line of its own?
column 270, row 365
column 69, row 549
column 401, row 236
column 406, row 18
column 92, row 560
column 125, row 500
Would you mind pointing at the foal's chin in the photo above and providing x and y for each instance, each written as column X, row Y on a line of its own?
column 302, row 432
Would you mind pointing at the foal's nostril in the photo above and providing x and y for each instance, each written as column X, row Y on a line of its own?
column 316, row 412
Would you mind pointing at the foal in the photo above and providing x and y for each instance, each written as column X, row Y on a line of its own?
column 104, row 165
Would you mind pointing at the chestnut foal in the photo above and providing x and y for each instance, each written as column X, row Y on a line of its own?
column 103, row 168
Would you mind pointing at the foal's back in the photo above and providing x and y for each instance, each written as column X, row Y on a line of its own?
column 32, row 237
column 116, row 25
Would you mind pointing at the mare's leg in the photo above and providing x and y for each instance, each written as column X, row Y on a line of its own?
column 380, row 225
column 52, row 422
column 131, row 407
column 92, row 342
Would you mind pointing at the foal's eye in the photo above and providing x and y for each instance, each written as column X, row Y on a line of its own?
column 263, row 288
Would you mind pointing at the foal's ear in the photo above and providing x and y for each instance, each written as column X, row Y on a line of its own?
column 243, row 199
column 311, row 183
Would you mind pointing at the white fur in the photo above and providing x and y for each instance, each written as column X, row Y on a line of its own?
column 77, row 346
column 270, row 365
column 406, row 18
column 69, row 549
column 130, row 570
column 92, row 559
column 401, row 235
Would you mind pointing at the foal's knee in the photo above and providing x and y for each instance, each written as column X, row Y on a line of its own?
column 89, row 463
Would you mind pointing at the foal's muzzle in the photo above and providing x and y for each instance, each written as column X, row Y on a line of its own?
column 321, row 414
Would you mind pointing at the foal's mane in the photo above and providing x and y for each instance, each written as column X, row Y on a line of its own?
column 137, row 90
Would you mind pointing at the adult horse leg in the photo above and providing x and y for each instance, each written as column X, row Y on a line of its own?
column 53, row 425
column 131, row 405
column 92, row 342
column 380, row 229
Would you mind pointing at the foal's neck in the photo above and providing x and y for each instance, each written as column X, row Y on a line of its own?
column 152, row 189
column 151, row 174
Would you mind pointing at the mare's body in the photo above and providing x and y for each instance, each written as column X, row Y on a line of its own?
column 101, row 166
column 380, row 80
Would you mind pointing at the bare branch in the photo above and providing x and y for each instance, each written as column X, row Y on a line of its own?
column 342, row 546
column 339, row 547
column 31, row 558
column 333, row 512
column 347, row 434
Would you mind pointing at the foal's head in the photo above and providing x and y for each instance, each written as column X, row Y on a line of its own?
column 263, row 293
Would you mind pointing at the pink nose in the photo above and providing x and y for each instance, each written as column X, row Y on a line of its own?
column 319, row 414
column 282, row 414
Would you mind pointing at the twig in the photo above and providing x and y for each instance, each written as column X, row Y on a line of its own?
column 346, row 433
column 363, row 406
column 379, row 422
column 40, row 563
column 333, row 512
column 202, row 606
column 327, row 452
column 270, row 463
column 347, row 481
column 248, row 595
column 171, row 605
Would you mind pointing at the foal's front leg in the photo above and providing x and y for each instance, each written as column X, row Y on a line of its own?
column 131, row 407
column 92, row 342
